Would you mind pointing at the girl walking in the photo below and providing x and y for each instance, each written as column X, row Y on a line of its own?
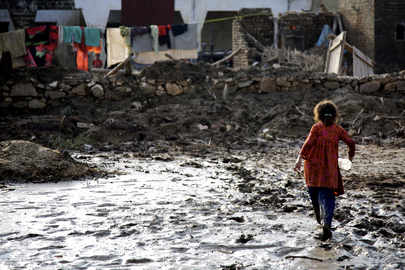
column 320, row 152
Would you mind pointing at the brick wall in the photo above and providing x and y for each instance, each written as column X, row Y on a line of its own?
column 23, row 11
column 301, row 30
column 359, row 21
column 390, row 52
column 261, row 27
column 296, row 30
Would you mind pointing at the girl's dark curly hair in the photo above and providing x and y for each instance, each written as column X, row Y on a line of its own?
column 326, row 111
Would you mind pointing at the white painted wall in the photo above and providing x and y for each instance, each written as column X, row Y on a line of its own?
column 96, row 12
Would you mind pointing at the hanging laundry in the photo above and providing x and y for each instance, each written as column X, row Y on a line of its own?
column 164, row 38
column 179, row 29
column 72, row 34
column 126, row 34
column 187, row 40
column 117, row 49
column 155, row 35
column 139, row 31
column 92, row 36
column 13, row 42
column 41, row 42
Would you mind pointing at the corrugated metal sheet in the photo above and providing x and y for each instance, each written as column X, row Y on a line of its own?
column 147, row 12
column 5, row 17
column 60, row 17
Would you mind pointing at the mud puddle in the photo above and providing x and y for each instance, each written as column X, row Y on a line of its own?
column 227, row 211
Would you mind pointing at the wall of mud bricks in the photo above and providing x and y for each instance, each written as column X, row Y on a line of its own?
column 296, row 31
column 358, row 18
column 302, row 30
column 34, row 96
column 389, row 46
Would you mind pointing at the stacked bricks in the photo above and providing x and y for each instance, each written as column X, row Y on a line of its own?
column 259, row 24
column 241, row 60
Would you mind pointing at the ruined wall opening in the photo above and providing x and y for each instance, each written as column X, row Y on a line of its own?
column 400, row 32
column 217, row 33
column 4, row 26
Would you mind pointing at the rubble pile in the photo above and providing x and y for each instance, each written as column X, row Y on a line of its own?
column 181, row 102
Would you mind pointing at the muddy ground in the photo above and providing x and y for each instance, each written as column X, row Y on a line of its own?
column 204, row 180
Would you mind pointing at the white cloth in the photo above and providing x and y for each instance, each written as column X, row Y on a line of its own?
column 155, row 35
column 117, row 48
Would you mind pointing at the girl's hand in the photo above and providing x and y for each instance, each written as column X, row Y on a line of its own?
column 297, row 167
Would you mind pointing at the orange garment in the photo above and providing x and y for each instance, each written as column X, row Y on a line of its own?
column 320, row 152
column 82, row 56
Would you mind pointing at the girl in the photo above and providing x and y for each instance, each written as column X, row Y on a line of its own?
column 320, row 152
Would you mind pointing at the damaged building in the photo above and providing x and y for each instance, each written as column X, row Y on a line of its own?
column 378, row 29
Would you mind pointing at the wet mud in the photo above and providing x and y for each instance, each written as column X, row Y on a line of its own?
column 211, row 209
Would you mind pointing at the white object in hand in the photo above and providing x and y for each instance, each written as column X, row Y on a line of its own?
column 344, row 164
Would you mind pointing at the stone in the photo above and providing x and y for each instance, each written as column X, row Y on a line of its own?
column 331, row 85
column 123, row 89
column 401, row 86
column 268, row 85
column 5, row 88
column 91, row 84
column 53, row 85
column 79, row 90
column 55, row 94
column 147, row 89
column 389, row 87
column 20, row 104
column 36, row 104
column 173, row 89
column 283, row 82
column 245, row 84
column 97, row 91
column 8, row 100
column 370, row 87
column 23, row 90
column 65, row 87
column 136, row 105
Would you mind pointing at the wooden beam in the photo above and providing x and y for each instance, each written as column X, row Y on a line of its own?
column 121, row 65
column 227, row 58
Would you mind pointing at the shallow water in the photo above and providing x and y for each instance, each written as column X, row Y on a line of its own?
column 183, row 214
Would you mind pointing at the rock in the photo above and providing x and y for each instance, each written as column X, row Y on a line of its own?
column 65, row 87
column 29, row 161
column 331, row 85
column 55, row 94
column 370, row 87
column 23, row 90
column 97, row 91
column 401, row 86
column 79, row 90
column 91, row 84
column 283, row 82
column 245, row 84
column 173, row 89
column 268, row 85
column 389, row 87
column 5, row 88
column 53, row 85
column 147, row 88
column 36, row 104
column 123, row 89
column 20, row 104
column 136, row 105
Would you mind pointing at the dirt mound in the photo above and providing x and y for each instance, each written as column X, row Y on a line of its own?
column 33, row 162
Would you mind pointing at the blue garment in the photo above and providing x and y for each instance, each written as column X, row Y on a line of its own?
column 72, row 34
column 325, row 200
column 323, row 38
column 92, row 36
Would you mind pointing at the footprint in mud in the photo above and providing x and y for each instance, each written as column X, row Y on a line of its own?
column 243, row 239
